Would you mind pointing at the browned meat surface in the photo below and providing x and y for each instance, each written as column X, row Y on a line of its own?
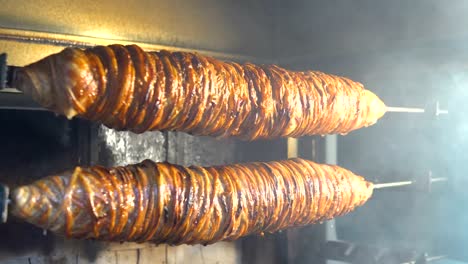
column 165, row 203
column 126, row 88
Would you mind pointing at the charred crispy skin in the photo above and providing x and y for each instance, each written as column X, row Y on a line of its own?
column 126, row 88
column 165, row 203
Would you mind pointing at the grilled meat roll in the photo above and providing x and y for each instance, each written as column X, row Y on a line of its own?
column 165, row 203
column 125, row 88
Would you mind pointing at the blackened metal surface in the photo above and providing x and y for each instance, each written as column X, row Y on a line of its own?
column 118, row 148
column 186, row 150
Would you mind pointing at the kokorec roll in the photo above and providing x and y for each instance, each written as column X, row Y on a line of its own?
column 125, row 88
column 165, row 203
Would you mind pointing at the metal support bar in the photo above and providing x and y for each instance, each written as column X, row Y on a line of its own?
column 3, row 71
column 14, row 99
column 4, row 193
column 7, row 73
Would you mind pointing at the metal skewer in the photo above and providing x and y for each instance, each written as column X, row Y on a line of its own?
column 436, row 258
column 405, row 109
column 405, row 183
column 437, row 111
column 438, row 179
column 392, row 184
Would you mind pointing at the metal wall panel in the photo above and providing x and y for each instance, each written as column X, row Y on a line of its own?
column 243, row 27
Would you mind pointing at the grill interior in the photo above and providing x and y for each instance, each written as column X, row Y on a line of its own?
column 409, row 53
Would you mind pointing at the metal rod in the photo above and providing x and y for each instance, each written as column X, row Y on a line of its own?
column 22, row 108
column 438, row 179
column 405, row 109
column 437, row 111
column 392, row 184
column 405, row 183
column 442, row 112
column 436, row 258
column 11, row 75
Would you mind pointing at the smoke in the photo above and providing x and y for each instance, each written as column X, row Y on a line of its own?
column 410, row 53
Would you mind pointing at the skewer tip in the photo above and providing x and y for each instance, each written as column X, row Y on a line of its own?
column 391, row 184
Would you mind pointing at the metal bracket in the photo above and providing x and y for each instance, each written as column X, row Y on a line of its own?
column 3, row 71
column 7, row 73
column 4, row 193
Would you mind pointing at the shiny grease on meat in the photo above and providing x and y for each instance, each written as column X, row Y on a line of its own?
column 165, row 203
column 126, row 88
